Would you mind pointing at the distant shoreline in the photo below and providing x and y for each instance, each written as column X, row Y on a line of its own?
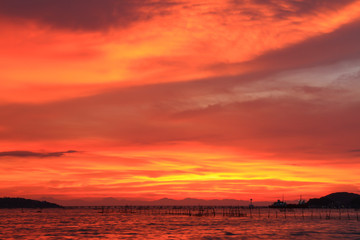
column 334, row 200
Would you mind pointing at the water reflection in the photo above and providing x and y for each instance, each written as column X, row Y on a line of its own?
column 263, row 224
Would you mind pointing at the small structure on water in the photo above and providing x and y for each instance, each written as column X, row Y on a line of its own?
column 302, row 202
column 251, row 205
column 278, row 204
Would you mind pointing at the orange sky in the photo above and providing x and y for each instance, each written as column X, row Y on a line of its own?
column 208, row 99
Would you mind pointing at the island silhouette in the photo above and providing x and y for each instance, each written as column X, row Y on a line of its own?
column 8, row 202
column 336, row 200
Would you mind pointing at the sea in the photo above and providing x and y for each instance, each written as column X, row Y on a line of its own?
column 179, row 223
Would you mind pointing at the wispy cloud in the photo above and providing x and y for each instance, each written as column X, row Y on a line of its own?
column 25, row 154
column 354, row 150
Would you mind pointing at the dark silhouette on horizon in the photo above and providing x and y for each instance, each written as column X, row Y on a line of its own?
column 8, row 202
column 336, row 200
column 333, row 200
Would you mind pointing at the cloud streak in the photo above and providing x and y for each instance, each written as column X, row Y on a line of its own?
column 28, row 154
column 301, row 119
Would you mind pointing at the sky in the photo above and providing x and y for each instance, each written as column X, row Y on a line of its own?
column 179, row 98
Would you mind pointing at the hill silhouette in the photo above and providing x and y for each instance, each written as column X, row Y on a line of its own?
column 109, row 201
column 7, row 202
column 336, row 200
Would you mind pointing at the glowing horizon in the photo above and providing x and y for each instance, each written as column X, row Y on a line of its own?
column 202, row 99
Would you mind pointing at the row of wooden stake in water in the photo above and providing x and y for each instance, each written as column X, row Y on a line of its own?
column 206, row 211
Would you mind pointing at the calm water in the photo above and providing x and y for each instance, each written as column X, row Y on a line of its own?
column 115, row 224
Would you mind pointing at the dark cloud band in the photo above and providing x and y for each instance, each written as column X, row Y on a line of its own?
column 287, row 8
column 25, row 154
column 83, row 14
